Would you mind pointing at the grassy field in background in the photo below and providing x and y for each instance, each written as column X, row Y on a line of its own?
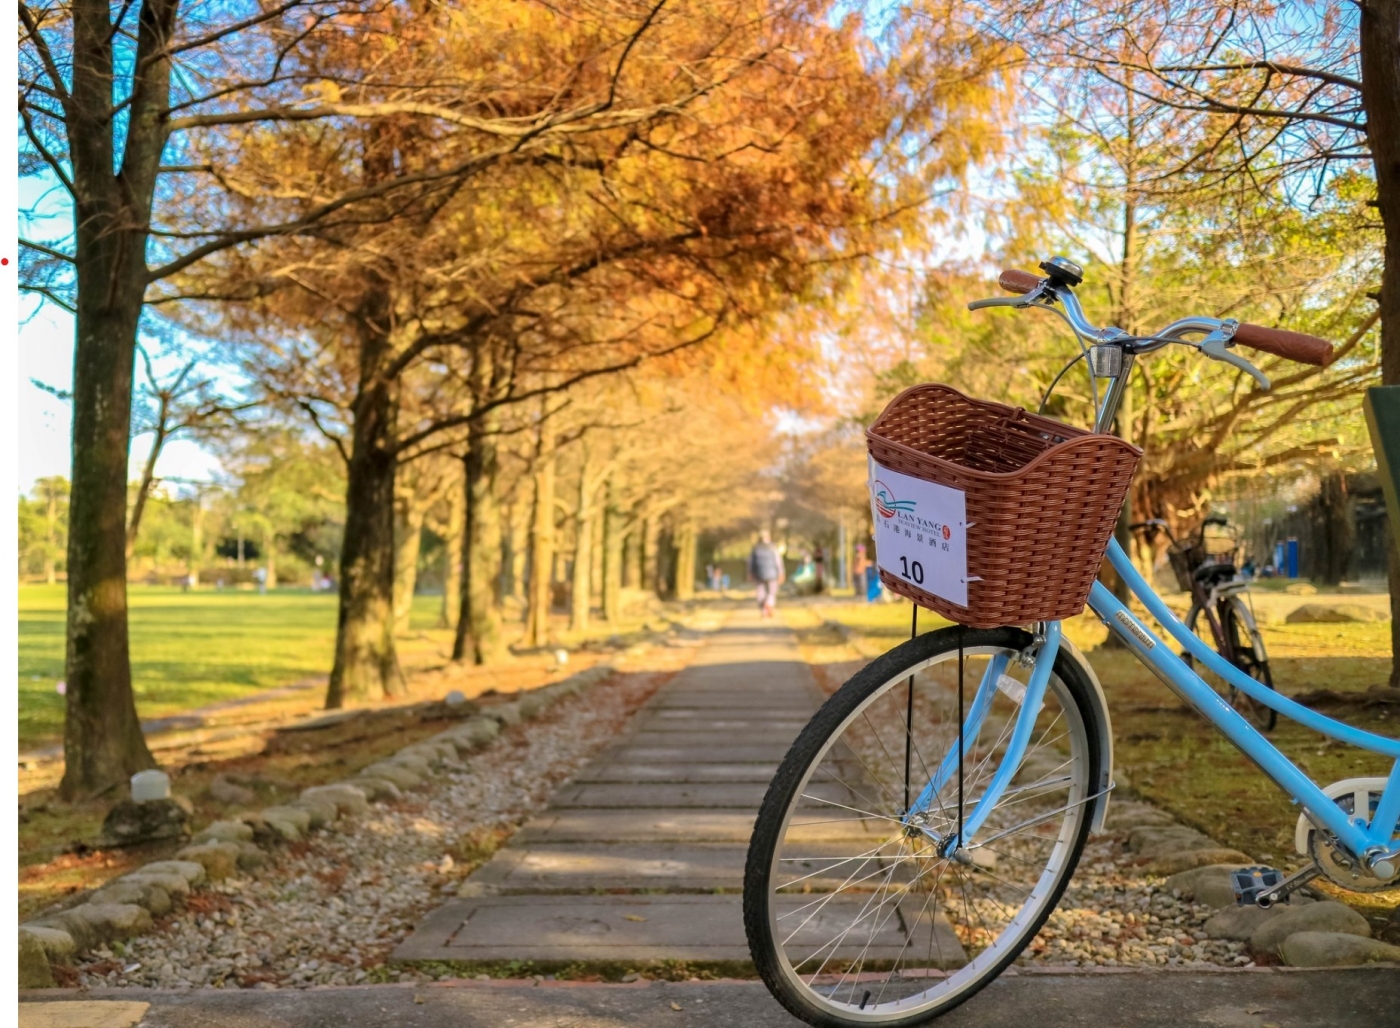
column 1172, row 756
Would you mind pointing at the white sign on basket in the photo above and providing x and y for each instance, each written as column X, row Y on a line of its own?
column 920, row 532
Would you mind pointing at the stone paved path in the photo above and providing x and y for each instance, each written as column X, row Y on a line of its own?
column 1262, row 998
column 641, row 856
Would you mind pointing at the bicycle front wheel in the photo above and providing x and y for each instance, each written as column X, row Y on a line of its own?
column 854, row 917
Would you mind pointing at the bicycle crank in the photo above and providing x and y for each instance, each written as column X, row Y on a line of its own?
column 1358, row 797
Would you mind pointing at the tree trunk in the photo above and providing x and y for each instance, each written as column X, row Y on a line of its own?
column 478, row 637
column 1380, row 94
column 685, row 560
column 612, row 560
column 270, row 552
column 102, row 740
column 408, row 544
column 196, row 537
column 51, row 540
column 1337, row 533
column 648, row 556
column 366, row 664
column 452, row 556
column 632, row 555
column 583, row 552
column 541, row 553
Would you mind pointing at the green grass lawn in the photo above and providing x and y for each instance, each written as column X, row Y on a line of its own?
column 187, row 649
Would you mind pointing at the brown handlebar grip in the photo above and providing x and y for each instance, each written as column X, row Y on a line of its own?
column 1014, row 281
column 1294, row 346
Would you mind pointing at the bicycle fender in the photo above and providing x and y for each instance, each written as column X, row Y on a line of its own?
column 1068, row 651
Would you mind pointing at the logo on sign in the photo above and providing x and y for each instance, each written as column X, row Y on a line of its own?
column 888, row 506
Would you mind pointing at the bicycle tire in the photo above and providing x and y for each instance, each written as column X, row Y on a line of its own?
column 1236, row 617
column 1071, row 688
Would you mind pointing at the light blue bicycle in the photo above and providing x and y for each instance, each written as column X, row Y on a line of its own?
column 927, row 820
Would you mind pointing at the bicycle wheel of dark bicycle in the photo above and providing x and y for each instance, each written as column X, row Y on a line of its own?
column 1244, row 638
column 853, row 916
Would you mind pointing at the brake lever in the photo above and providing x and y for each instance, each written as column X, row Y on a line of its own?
column 1214, row 347
column 1023, row 300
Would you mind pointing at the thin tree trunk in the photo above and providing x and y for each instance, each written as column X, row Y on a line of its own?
column 612, row 559
column 408, row 544
column 583, row 551
column 478, row 638
column 148, row 477
column 541, row 551
column 51, row 544
column 270, row 551
column 685, row 560
column 453, row 544
column 366, row 663
column 1380, row 94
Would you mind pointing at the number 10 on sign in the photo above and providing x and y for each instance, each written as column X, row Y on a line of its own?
column 920, row 532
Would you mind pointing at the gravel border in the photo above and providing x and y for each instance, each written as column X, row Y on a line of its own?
column 206, row 869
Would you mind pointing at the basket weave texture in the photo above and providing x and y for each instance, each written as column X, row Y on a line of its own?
column 1042, row 500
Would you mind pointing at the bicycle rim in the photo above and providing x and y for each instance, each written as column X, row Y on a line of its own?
column 855, row 918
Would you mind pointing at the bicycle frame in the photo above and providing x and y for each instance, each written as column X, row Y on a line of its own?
column 1353, row 833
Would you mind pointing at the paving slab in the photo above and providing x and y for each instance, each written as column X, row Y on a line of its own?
column 641, row 928
column 740, row 729
column 743, row 795
column 676, row 867
column 695, row 738
column 1286, row 997
column 602, row 825
column 719, row 753
column 761, row 773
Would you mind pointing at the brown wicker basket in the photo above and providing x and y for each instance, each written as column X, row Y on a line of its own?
column 1042, row 498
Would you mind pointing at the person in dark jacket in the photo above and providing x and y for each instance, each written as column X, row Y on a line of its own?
column 766, row 568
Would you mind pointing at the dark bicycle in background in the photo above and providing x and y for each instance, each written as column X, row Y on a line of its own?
column 1206, row 565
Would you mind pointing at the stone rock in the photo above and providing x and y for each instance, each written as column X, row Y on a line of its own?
column 34, row 972
column 58, row 945
column 190, row 870
column 1328, row 613
column 418, row 762
column 1208, row 885
column 110, row 921
column 288, row 823
column 322, row 810
column 225, row 831
column 1187, row 859
column 1330, row 916
column 1300, row 589
column 83, row 934
column 171, row 884
column 219, row 859
column 377, row 789
column 504, row 713
column 250, row 856
column 1125, row 816
column 531, row 704
column 230, row 793
column 1151, row 841
column 1335, row 949
column 1239, row 923
column 347, row 798
column 128, row 823
column 142, row 892
column 477, row 731
column 455, row 698
column 402, row 777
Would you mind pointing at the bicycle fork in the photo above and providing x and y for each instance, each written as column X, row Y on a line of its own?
column 955, row 842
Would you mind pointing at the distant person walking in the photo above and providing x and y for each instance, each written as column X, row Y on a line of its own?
column 766, row 568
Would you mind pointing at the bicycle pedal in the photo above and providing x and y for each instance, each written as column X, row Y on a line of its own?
column 1251, row 882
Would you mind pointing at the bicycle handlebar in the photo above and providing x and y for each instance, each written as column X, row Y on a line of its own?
column 1220, row 333
column 1294, row 346
column 1014, row 281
